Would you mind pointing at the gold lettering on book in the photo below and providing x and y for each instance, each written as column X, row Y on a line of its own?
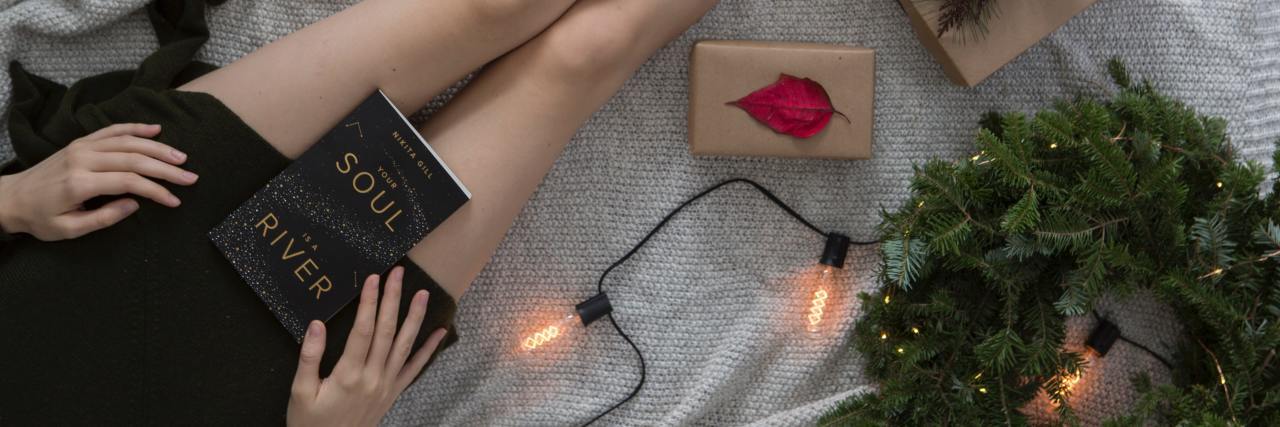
column 307, row 268
column 364, row 182
column 413, row 154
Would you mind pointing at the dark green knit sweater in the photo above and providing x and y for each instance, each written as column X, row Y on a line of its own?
column 145, row 322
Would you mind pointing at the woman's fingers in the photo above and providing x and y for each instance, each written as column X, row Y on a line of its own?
column 141, row 164
column 306, row 382
column 386, row 327
column 79, row 223
column 146, row 147
column 353, row 356
column 408, row 332
column 419, row 360
column 118, row 129
column 111, row 183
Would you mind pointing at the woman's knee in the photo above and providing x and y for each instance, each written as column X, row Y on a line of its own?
column 589, row 50
column 502, row 12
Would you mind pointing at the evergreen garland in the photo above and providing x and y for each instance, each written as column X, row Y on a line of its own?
column 970, row 16
column 983, row 265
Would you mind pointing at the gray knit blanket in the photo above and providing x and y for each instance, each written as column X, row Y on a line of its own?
column 715, row 301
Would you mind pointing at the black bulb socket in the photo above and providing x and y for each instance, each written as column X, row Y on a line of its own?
column 1104, row 335
column 836, row 250
column 593, row 308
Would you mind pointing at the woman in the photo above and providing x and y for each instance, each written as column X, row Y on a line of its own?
column 118, row 308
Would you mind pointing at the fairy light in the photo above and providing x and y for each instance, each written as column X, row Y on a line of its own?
column 975, row 157
column 982, row 390
column 886, row 298
column 1219, row 184
column 1053, row 146
column 915, row 330
column 901, row 350
column 1069, row 381
column 884, row 336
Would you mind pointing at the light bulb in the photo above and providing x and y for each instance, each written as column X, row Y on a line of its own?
column 551, row 332
column 582, row 315
column 833, row 256
column 818, row 305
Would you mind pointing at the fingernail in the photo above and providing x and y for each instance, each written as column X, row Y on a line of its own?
column 189, row 176
column 173, row 201
column 420, row 298
column 313, row 330
column 129, row 207
column 177, row 155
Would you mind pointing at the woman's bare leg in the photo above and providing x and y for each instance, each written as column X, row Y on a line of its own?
column 504, row 131
column 293, row 90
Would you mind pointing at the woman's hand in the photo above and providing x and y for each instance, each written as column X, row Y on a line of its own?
column 46, row 200
column 372, row 371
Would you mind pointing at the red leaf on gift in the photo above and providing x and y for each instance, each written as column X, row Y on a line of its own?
column 790, row 106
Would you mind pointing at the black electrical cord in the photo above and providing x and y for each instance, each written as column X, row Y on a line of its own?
column 600, row 283
column 1121, row 337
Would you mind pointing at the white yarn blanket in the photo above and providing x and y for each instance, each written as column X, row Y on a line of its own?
column 714, row 300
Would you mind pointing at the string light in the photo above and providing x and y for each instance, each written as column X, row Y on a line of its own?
column 884, row 335
column 817, row 305
column 886, row 298
column 1053, row 146
column 1219, row 184
column 833, row 256
column 549, row 333
column 1069, row 381
column 982, row 390
column 583, row 314
column 901, row 350
column 915, row 330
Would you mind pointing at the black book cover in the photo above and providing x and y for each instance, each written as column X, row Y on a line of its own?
column 351, row 206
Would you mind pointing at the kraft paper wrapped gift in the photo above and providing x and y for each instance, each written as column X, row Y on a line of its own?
column 968, row 57
column 725, row 71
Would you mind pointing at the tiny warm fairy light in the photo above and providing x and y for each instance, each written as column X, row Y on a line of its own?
column 901, row 350
column 1053, row 146
column 920, row 205
column 915, row 330
column 583, row 314
column 1069, row 381
column 833, row 257
column 884, row 335
column 982, row 390
column 975, row 157
column 1219, row 184
column 886, row 298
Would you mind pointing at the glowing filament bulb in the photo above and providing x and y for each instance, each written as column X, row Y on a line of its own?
column 549, row 333
column 886, row 298
column 815, row 309
column 1053, row 146
column 915, row 330
column 901, row 350
column 982, row 390
column 1219, row 184
column 884, row 335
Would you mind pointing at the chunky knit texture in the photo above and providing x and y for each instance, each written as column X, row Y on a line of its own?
column 713, row 301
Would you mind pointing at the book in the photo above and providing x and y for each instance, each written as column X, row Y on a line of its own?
column 350, row 206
